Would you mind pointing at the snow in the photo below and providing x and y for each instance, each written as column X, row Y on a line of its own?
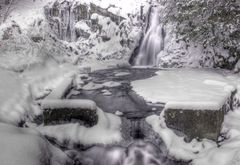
column 61, row 90
column 82, row 25
column 68, row 103
column 107, row 131
column 18, row 90
column 199, row 89
column 118, row 113
column 46, row 77
column 120, row 7
column 25, row 146
column 25, row 12
column 15, row 99
column 111, row 84
column 106, row 92
column 122, row 74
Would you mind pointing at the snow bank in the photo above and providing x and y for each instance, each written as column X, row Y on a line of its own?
column 49, row 76
column 61, row 90
column 188, row 88
column 17, row 91
column 15, row 99
column 68, row 103
column 107, row 131
column 26, row 147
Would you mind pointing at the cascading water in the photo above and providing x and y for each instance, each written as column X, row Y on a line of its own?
column 153, row 41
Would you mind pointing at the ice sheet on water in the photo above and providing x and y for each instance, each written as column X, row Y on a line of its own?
column 187, row 88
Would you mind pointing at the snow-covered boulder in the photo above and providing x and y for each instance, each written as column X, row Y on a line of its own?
column 196, row 100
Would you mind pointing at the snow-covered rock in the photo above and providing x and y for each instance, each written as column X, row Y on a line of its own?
column 188, row 88
column 206, row 152
column 106, row 131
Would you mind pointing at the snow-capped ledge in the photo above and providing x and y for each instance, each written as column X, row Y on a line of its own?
column 196, row 99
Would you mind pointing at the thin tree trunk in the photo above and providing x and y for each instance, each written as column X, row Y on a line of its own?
column 8, row 11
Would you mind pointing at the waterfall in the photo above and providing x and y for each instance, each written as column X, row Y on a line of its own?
column 153, row 41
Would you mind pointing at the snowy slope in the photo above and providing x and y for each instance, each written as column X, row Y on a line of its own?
column 15, row 99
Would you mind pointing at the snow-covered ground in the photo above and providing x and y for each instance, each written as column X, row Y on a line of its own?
column 26, row 146
column 202, row 152
column 16, row 103
column 188, row 88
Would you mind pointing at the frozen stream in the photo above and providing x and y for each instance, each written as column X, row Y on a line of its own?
column 141, row 145
column 121, row 97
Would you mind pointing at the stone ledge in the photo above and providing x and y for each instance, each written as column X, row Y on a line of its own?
column 196, row 123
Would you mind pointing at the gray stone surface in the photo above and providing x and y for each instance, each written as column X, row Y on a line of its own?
column 66, row 115
column 196, row 123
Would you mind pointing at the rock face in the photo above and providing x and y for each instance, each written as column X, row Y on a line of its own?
column 198, row 123
column 63, row 16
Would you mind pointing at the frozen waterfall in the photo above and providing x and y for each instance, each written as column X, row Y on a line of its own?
column 153, row 41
